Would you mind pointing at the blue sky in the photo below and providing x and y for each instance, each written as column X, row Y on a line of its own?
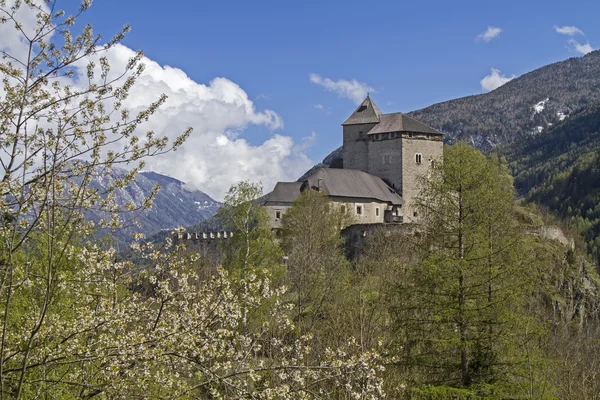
column 410, row 55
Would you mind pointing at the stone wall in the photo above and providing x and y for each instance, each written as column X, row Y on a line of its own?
column 355, row 236
column 356, row 149
column 369, row 214
column 272, row 209
column 385, row 158
column 369, row 209
column 431, row 149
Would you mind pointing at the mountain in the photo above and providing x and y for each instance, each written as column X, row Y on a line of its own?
column 525, row 105
column 560, row 169
column 174, row 206
column 529, row 104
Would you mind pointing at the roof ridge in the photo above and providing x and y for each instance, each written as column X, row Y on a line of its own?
column 365, row 114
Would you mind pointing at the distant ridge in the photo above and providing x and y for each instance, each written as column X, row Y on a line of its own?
column 528, row 104
column 175, row 204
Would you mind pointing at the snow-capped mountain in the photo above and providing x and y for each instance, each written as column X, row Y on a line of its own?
column 175, row 204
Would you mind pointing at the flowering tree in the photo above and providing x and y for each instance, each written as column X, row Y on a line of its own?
column 55, row 134
column 77, row 323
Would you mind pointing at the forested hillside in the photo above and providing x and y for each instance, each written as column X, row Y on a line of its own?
column 560, row 169
column 527, row 104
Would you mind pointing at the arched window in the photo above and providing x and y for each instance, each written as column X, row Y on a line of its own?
column 418, row 158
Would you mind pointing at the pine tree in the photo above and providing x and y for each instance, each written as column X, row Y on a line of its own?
column 460, row 309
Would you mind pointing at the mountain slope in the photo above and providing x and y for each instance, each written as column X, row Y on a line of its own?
column 524, row 105
column 175, row 204
column 560, row 169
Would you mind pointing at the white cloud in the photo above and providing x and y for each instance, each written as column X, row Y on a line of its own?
column 263, row 96
column 568, row 30
column 15, row 44
column 581, row 48
column 494, row 80
column 217, row 154
column 353, row 90
column 321, row 107
column 306, row 143
column 491, row 33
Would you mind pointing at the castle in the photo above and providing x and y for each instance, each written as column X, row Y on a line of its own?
column 384, row 157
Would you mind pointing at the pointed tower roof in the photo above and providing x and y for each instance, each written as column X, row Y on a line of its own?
column 366, row 113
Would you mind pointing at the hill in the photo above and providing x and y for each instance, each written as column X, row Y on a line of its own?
column 530, row 103
column 560, row 169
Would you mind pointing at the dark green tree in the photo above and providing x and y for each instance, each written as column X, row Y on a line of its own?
column 460, row 310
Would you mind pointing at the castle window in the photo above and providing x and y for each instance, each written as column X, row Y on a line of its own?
column 377, row 211
column 343, row 208
column 418, row 158
column 277, row 214
column 415, row 214
column 359, row 209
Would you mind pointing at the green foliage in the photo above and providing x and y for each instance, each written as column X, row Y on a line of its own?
column 443, row 393
column 460, row 312
column 317, row 269
column 561, row 171
column 252, row 247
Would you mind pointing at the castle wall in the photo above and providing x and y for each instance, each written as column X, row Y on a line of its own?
column 431, row 149
column 385, row 158
column 355, row 236
column 368, row 209
column 272, row 209
column 356, row 149
column 369, row 214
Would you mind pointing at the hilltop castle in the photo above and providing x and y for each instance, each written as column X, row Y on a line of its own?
column 383, row 157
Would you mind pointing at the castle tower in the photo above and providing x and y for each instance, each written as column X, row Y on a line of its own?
column 394, row 147
column 355, row 145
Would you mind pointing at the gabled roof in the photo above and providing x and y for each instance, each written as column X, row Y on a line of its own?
column 337, row 183
column 284, row 192
column 366, row 113
column 369, row 113
column 353, row 183
column 399, row 122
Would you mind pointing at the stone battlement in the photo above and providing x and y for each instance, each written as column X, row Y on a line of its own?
column 200, row 236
